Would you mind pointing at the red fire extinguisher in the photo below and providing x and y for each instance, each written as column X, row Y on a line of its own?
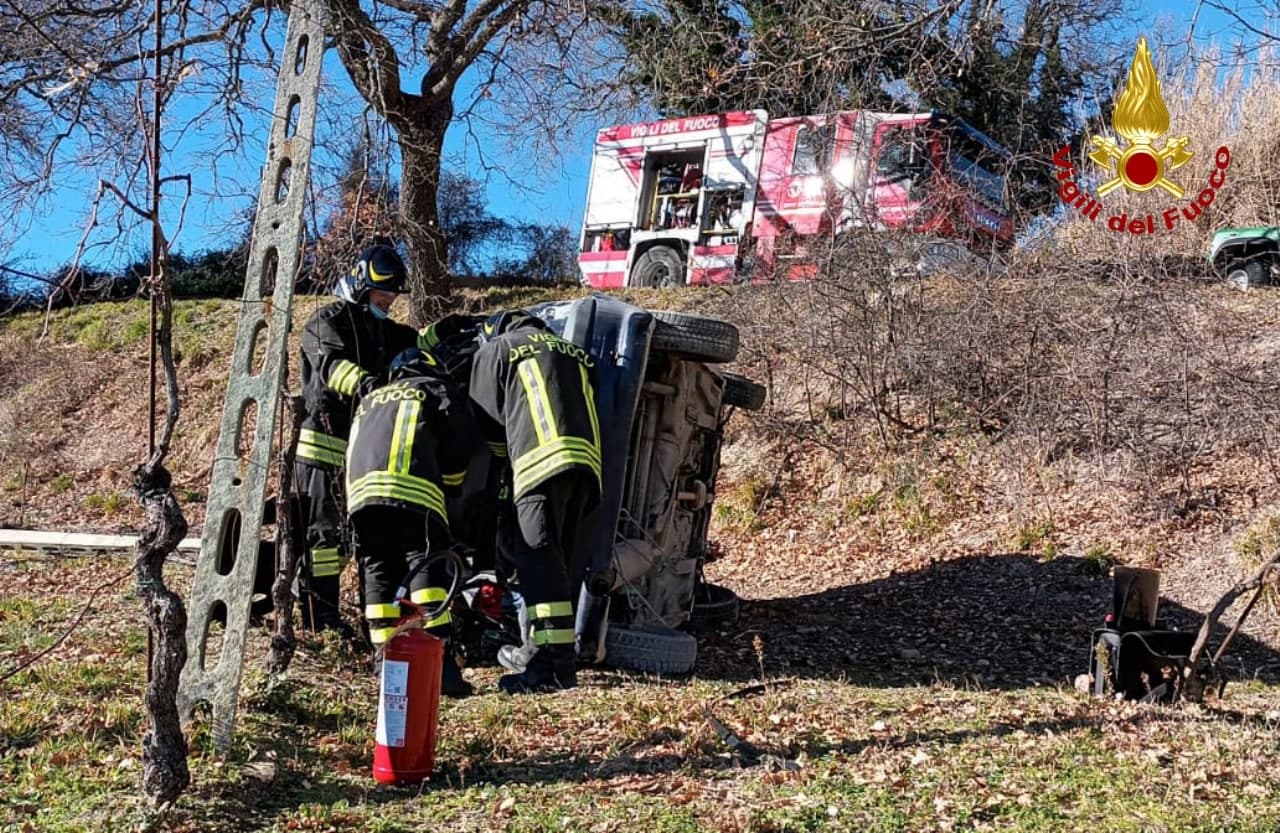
column 408, row 707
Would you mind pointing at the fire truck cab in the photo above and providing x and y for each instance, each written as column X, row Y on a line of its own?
column 711, row 199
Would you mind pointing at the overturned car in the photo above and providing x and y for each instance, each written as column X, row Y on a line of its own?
column 662, row 403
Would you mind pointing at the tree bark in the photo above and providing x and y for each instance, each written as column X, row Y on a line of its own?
column 164, row 749
column 283, row 641
column 420, row 149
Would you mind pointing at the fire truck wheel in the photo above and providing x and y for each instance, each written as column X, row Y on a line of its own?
column 652, row 649
column 743, row 393
column 694, row 337
column 658, row 268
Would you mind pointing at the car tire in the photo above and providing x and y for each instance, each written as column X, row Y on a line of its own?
column 658, row 268
column 651, row 649
column 713, row 607
column 743, row 393
column 1249, row 274
column 701, row 339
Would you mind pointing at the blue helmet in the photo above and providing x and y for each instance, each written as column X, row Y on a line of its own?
column 412, row 362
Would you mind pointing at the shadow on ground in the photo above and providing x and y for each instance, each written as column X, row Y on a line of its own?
column 1001, row 621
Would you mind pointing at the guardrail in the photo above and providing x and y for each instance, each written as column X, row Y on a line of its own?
column 40, row 540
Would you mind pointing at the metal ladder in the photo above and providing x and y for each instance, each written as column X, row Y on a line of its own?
column 243, row 459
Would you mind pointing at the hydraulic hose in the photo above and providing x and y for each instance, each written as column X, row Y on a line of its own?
column 418, row 565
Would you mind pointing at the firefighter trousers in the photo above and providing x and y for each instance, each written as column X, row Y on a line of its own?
column 547, row 561
column 389, row 544
column 319, row 486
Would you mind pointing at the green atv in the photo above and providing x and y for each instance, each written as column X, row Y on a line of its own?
column 1246, row 256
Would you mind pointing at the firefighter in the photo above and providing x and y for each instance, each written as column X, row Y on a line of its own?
column 472, row 517
column 535, row 391
column 410, row 445
column 346, row 348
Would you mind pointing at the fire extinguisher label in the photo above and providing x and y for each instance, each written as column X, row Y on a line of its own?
column 393, row 705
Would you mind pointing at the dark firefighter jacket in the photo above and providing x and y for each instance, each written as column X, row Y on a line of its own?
column 344, row 349
column 536, row 390
column 410, row 444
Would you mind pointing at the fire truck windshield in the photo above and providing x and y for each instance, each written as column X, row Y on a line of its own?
column 973, row 164
column 904, row 156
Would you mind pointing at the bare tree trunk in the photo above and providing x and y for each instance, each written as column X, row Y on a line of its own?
column 283, row 641
column 419, row 214
column 164, row 749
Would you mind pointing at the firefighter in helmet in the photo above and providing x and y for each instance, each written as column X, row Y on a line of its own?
column 534, row 392
column 346, row 348
column 410, row 444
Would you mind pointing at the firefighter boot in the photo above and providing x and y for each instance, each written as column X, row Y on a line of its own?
column 552, row 667
column 451, row 682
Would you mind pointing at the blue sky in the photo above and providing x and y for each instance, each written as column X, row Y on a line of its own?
column 551, row 193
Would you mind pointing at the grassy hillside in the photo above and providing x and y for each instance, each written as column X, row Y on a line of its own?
column 921, row 555
column 74, row 404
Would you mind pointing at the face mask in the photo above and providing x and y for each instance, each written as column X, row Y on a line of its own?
column 378, row 312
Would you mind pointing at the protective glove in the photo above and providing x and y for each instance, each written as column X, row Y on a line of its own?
column 367, row 385
column 455, row 356
column 453, row 327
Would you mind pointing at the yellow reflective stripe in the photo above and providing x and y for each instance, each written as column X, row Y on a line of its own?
column 337, row 376
column 389, row 493
column 325, row 561
column 369, row 491
column 542, row 452
column 498, row 449
column 405, row 482
column 380, row 636
column 393, row 451
column 354, row 374
column 427, row 337
column 553, row 636
column 345, row 376
column 545, row 610
column 454, row 479
column 535, row 391
column 427, row 595
column 410, row 420
column 399, row 486
column 320, row 455
column 325, row 570
column 535, row 475
column 313, row 445
column 382, row 611
column 401, row 451
column 529, row 468
column 326, row 441
column 588, row 396
column 432, row 595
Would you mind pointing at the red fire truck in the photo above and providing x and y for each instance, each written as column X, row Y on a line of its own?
column 711, row 199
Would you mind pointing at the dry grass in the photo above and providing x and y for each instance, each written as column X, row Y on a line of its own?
column 621, row 753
